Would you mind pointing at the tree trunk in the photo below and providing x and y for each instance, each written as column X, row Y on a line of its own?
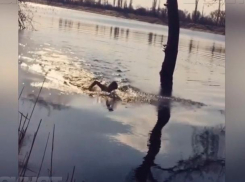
column 195, row 13
column 171, row 51
column 131, row 4
column 202, row 9
column 218, row 15
column 143, row 172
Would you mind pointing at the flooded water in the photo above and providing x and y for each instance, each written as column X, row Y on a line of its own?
column 139, row 140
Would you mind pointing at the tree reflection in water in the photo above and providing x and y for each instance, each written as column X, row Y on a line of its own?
column 207, row 161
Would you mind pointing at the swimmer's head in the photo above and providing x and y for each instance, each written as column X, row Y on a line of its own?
column 112, row 86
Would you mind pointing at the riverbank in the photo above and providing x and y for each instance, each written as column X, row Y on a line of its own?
column 153, row 20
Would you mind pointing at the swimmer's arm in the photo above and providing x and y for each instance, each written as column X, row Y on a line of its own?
column 102, row 87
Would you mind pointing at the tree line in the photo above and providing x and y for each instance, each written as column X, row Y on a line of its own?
column 216, row 17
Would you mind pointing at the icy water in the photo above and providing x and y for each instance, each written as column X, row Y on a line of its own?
column 139, row 140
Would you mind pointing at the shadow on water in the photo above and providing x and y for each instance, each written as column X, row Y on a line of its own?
column 43, row 103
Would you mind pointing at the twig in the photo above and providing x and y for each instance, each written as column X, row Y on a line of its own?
column 43, row 157
column 24, row 115
column 22, row 128
column 37, row 98
column 51, row 168
column 20, row 123
column 67, row 177
column 33, row 141
column 73, row 173
column 22, row 133
column 21, row 92
column 23, row 162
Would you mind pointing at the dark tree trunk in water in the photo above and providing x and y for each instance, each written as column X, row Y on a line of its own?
column 143, row 172
column 171, row 51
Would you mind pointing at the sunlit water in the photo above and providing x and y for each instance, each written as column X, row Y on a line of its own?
column 72, row 48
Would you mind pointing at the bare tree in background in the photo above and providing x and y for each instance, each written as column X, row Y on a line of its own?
column 218, row 15
column 159, row 7
column 119, row 3
column 195, row 11
column 131, row 4
column 154, row 5
column 203, row 9
column 219, row 7
column 220, row 4
column 196, row 16
column 125, row 6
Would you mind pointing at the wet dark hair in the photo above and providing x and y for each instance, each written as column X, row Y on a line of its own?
column 112, row 86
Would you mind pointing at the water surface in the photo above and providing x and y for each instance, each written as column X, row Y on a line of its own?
column 72, row 48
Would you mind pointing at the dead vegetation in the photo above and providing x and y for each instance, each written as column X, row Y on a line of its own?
column 25, row 16
column 24, row 123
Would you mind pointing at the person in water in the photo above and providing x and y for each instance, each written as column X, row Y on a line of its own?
column 110, row 88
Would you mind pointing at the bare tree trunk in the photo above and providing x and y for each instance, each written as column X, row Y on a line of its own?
column 202, row 10
column 131, row 4
column 125, row 4
column 143, row 172
column 171, row 51
column 195, row 13
column 154, row 4
column 218, row 15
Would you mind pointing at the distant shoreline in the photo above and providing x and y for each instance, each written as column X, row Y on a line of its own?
column 153, row 20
